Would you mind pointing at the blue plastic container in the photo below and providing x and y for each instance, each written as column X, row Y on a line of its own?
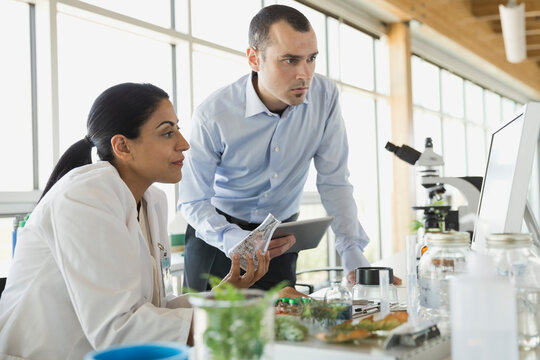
column 152, row 351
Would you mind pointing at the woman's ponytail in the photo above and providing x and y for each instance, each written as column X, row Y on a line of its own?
column 78, row 154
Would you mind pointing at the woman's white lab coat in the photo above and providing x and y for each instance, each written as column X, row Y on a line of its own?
column 82, row 276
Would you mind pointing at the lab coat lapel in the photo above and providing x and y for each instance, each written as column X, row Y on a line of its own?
column 158, row 232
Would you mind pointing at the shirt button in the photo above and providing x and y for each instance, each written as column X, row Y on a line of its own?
column 266, row 195
column 276, row 148
column 256, row 211
column 275, row 176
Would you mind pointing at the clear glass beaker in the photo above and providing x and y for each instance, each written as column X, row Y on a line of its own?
column 240, row 329
column 444, row 259
column 513, row 257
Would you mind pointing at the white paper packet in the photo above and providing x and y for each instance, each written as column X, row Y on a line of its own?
column 258, row 239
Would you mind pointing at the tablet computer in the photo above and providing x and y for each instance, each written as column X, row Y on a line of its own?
column 308, row 233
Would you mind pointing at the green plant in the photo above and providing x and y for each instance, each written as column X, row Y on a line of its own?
column 236, row 331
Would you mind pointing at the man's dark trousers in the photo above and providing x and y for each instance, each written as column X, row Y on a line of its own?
column 202, row 259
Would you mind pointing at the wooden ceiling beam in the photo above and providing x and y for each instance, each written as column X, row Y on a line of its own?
column 489, row 8
column 533, row 54
column 533, row 39
column 497, row 16
column 530, row 25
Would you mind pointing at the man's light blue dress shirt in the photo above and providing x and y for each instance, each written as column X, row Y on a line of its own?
column 248, row 162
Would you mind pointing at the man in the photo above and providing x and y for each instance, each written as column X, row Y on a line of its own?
column 251, row 147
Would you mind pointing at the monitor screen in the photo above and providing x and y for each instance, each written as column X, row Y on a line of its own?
column 508, row 172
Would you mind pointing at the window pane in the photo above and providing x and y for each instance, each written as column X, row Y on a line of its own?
column 87, row 49
column 426, row 125
column 382, row 66
column 208, row 74
column 356, row 50
column 455, row 161
column 476, row 150
column 452, row 94
column 15, row 98
column 454, row 148
column 386, row 178
column 425, row 84
column 181, row 15
column 508, row 109
column 334, row 70
column 474, row 104
column 313, row 258
column 183, row 101
column 493, row 109
column 359, row 116
column 156, row 12
column 212, row 20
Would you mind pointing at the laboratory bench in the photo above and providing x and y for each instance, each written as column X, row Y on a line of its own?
column 312, row 348
column 438, row 348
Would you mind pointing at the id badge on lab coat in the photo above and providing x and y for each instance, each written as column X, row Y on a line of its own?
column 166, row 276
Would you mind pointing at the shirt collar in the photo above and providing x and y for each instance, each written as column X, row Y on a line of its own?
column 254, row 105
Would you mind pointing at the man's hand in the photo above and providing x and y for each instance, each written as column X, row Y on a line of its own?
column 251, row 275
column 290, row 292
column 351, row 278
column 278, row 246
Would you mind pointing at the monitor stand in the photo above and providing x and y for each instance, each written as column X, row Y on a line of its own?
column 532, row 225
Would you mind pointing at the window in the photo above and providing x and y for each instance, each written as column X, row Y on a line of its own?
column 209, row 15
column 208, row 74
column 157, row 11
column 460, row 127
column 15, row 98
column 425, row 84
column 363, row 89
column 86, row 49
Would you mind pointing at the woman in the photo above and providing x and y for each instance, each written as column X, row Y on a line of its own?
column 91, row 265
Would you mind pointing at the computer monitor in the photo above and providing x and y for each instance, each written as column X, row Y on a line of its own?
column 503, row 200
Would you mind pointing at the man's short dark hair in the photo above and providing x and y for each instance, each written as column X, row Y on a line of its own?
column 259, row 28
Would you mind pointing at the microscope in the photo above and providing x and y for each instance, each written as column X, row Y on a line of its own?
column 429, row 163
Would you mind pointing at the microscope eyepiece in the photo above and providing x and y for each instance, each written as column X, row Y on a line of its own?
column 404, row 152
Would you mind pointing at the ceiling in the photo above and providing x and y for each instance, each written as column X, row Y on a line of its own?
column 474, row 26
column 488, row 11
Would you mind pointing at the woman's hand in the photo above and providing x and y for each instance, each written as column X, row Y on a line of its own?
column 251, row 275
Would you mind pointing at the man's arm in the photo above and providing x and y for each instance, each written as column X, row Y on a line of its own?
column 197, row 189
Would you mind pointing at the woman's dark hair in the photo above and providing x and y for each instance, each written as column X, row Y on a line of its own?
column 121, row 109
column 259, row 28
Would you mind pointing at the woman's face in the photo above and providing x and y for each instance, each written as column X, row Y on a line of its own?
column 157, row 154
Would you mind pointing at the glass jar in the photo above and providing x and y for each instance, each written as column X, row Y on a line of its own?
column 444, row 259
column 367, row 285
column 338, row 299
column 514, row 258
column 233, row 329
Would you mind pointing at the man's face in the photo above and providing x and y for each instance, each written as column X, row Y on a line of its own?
column 286, row 66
